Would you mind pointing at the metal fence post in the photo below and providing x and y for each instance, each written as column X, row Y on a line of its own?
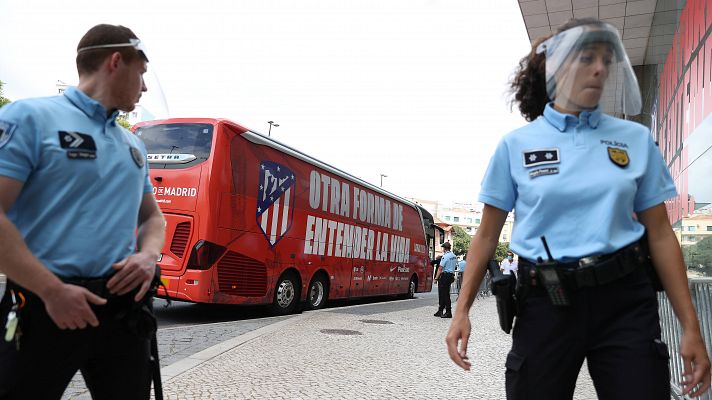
column 701, row 292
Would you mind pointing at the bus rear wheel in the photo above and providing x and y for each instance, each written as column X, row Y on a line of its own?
column 318, row 293
column 286, row 294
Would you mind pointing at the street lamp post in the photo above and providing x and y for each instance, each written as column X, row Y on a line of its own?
column 271, row 123
column 383, row 176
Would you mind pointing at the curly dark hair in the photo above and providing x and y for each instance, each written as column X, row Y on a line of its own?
column 528, row 86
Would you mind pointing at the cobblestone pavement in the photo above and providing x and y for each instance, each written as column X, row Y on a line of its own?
column 351, row 354
column 175, row 344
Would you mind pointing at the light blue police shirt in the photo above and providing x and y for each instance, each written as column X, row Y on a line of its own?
column 78, row 208
column 577, row 181
column 448, row 262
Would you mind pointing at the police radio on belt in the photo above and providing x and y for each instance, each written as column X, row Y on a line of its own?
column 548, row 275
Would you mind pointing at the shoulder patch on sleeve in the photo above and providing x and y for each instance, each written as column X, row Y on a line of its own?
column 6, row 130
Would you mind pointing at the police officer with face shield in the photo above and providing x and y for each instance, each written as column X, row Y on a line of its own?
column 592, row 232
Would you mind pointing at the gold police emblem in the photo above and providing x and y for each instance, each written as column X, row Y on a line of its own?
column 618, row 156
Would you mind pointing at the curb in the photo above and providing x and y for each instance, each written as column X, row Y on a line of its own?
column 179, row 367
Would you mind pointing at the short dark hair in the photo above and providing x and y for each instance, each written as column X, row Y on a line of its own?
column 89, row 61
column 446, row 245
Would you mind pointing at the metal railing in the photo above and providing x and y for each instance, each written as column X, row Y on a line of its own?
column 701, row 291
column 484, row 290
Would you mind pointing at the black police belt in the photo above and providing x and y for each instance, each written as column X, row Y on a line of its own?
column 595, row 270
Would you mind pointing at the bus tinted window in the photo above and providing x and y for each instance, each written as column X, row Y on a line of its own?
column 175, row 146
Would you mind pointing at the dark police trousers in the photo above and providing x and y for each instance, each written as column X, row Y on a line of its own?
column 444, row 282
column 615, row 327
column 113, row 358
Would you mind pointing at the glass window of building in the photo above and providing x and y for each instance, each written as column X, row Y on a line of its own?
column 456, row 219
column 447, row 218
column 477, row 220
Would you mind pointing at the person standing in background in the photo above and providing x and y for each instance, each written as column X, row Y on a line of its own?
column 509, row 265
column 445, row 277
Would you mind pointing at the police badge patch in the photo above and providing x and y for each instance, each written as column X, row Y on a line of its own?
column 618, row 156
column 137, row 156
column 6, row 130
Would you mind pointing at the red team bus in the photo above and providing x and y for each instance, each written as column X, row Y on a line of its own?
column 253, row 221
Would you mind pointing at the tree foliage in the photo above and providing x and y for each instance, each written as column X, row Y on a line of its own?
column 123, row 121
column 698, row 257
column 460, row 241
column 3, row 100
column 501, row 252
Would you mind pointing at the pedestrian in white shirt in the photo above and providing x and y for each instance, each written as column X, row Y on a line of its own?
column 508, row 265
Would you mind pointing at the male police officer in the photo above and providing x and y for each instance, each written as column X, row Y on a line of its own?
column 445, row 276
column 74, row 190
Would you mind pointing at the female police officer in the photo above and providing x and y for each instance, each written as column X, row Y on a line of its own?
column 594, row 187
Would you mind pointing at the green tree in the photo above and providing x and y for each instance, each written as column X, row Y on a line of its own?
column 123, row 121
column 698, row 257
column 501, row 252
column 460, row 241
column 3, row 100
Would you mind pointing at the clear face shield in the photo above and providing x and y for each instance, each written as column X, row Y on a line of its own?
column 587, row 65
column 153, row 104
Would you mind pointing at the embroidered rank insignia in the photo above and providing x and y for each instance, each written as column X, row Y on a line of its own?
column 618, row 156
column 79, row 146
column 536, row 157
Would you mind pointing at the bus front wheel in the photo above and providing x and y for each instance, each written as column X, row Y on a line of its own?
column 318, row 293
column 286, row 294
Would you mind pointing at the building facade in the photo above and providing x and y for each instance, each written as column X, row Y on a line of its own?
column 467, row 216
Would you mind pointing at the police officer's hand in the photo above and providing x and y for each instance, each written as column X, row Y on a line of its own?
column 459, row 332
column 696, row 364
column 69, row 306
column 136, row 270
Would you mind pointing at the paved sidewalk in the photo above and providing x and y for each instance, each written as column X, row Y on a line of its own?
column 348, row 353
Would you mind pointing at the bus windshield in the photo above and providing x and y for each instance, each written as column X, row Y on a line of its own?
column 176, row 146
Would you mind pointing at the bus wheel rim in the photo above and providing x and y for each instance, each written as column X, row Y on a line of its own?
column 411, row 288
column 316, row 294
column 285, row 294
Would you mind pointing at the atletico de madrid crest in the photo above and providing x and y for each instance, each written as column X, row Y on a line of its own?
column 275, row 200
column 618, row 156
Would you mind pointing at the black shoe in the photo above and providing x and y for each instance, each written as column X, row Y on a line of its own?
column 446, row 315
column 438, row 314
